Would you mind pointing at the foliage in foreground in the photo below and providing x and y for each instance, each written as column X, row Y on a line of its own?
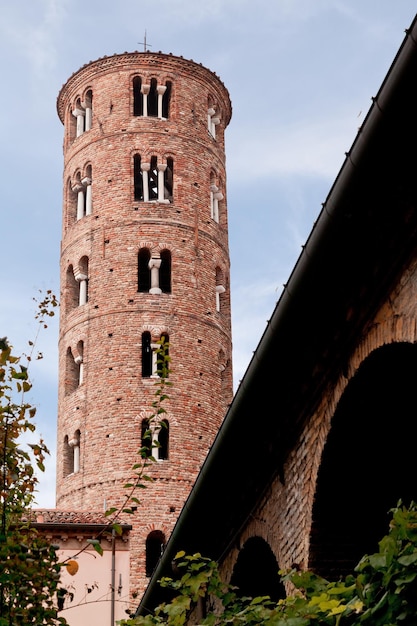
column 382, row 591
column 29, row 572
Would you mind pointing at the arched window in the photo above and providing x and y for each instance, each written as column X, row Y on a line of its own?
column 169, row 180
column 68, row 458
column 79, row 114
column 71, row 290
column 163, row 440
column 165, row 271
column 153, row 179
column 88, row 110
column 82, row 194
column 166, row 100
column 146, row 438
column 144, row 272
column 71, row 454
column 153, row 99
column 162, row 361
column 155, row 356
column 81, row 276
column 137, row 178
column 71, row 373
column 147, row 359
column 137, row 96
column 155, row 543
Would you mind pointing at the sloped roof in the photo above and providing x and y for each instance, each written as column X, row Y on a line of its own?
column 365, row 233
column 54, row 518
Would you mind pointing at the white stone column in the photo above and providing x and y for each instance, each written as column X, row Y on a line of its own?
column 145, row 90
column 155, row 447
column 154, row 348
column 79, row 190
column 215, row 120
column 82, row 295
column 80, row 115
column 161, row 186
column 88, row 197
column 75, row 445
column 154, row 265
column 213, row 189
column 79, row 361
column 216, row 199
column 145, row 167
column 219, row 289
column 210, row 114
column 88, row 118
column 161, row 89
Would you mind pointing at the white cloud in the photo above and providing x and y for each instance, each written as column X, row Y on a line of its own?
column 310, row 147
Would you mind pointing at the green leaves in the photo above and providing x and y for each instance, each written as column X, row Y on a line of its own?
column 29, row 571
column 383, row 591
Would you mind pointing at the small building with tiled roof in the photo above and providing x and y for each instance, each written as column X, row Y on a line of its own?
column 93, row 586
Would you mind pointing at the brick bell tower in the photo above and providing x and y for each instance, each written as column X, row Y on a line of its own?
column 144, row 255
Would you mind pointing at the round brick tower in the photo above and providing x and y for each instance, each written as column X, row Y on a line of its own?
column 144, row 256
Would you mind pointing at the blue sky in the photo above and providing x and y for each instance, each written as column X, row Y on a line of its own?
column 301, row 74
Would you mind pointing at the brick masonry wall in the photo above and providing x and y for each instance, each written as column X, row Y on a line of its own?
column 109, row 405
column 284, row 516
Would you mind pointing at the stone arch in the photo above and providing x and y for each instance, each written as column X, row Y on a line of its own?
column 366, row 464
column 255, row 572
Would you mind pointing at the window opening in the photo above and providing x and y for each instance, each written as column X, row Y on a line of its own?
column 169, row 180
column 137, row 178
column 147, row 355
column 68, row 457
column 153, row 179
column 81, row 276
column 162, row 356
column 165, row 272
column 72, row 374
column 163, row 440
column 155, row 543
column 166, row 100
column 137, row 96
column 79, row 113
column 144, row 272
column 72, row 289
column 153, row 99
column 146, row 438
